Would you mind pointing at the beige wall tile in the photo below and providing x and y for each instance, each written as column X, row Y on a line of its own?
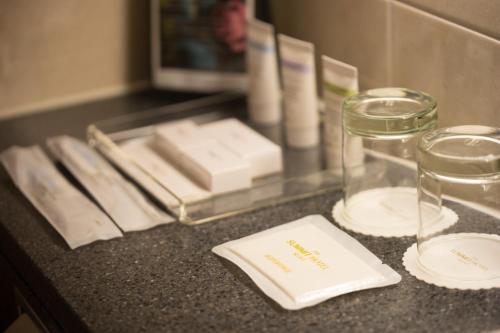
column 480, row 15
column 351, row 31
column 458, row 66
column 52, row 49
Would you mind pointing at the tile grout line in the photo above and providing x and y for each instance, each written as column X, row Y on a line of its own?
column 444, row 21
column 389, row 48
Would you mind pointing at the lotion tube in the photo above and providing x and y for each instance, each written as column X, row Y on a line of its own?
column 340, row 80
column 299, row 86
column 264, row 95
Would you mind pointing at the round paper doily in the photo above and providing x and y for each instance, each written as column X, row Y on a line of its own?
column 388, row 212
column 457, row 261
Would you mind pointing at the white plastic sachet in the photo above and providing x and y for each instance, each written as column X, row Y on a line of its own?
column 143, row 154
column 72, row 214
column 305, row 262
column 120, row 199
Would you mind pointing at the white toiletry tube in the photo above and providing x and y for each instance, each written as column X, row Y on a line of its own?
column 264, row 95
column 299, row 86
column 340, row 80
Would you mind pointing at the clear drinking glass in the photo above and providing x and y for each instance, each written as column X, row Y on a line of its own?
column 459, row 167
column 381, row 128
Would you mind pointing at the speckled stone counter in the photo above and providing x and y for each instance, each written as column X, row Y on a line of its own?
column 167, row 278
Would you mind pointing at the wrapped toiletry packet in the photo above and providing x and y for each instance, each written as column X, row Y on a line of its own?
column 128, row 207
column 127, row 161
column 307, row 261
column 73, row 215
column 143, row 154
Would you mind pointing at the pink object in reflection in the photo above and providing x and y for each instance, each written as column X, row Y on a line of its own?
column 229, row 24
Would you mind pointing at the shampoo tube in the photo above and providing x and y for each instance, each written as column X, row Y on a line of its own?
column 299, row 83
column 264, row 96
column 340, row 80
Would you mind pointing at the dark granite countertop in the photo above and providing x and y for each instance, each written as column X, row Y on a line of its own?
column 167, row 278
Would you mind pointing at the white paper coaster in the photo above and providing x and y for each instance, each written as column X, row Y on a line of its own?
column 387, row 212
column 459, row 261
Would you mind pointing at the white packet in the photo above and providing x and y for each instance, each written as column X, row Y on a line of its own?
column 305, row 262
column 128, row 207
column 166, row 174
column 128, row 165
column 340, row 80
column 299, row 87
column 72, row 214
column 264, row 95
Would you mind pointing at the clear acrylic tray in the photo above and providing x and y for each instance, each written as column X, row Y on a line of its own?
column 305, row 173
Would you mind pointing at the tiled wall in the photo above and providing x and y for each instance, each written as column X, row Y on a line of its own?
column 60, row 52
column 55, row 52
column 448, row 48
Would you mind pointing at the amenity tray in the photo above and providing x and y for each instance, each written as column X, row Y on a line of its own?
column 304, row 175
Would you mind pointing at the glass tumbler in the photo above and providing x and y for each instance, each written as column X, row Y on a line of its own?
column 381, row 128
column 459, row 167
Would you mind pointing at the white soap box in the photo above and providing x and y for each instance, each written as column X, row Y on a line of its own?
column 216, row 168
column 263, row 155
column 174, row 137
column 203, row 158
column 222, row 156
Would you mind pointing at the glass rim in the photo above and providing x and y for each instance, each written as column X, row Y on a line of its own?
column 468, row 161
column 482, row 132
column 422, row 117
